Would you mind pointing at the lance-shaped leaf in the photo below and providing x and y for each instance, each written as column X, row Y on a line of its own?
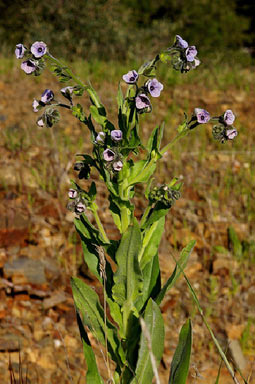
column 141, row 171
column 92, row 374
column 155, row 327
column 128, row 278
column 155, row 141
column 185, row 253
column 87, row 302
column 152, row 279
column 151, row 239
column 181, row 359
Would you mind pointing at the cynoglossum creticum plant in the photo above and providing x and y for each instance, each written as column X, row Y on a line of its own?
column 128, row 268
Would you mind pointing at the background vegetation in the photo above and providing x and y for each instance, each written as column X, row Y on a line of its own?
column 113, row 29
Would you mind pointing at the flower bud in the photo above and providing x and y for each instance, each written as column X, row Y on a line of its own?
column 117, row 166
column 20, row 51
column 72, row 193
column 35, row 105
column 229, row 117
column 180, row 42
column 47, row 96
column 100, row 137
column 231, row 133
column 116, row 135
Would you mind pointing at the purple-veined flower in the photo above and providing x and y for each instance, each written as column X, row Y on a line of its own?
column 72, row 193
column 231, row 133
column 47, row 96
column 38, row 49
column 180, row 42
column 80, row 207
column 117, row 166
column 108, row 155
column 100, row 137
column 116, row 135
column 20, row 51
column 154, row 87
column 131, row 77
column 35, row 105
column 28, row 66
column 191, row 53
column 67, row 91
column 142, row 101
column 229, row 117
column 40, row 122
column 202, row 115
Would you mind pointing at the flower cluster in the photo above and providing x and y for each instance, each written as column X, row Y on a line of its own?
column 224, row 130
column 165, row 195
column 77, row 203
column 152, row 87
column 182, row 55
column 34, row 63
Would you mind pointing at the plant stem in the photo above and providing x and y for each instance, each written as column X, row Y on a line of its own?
column 99, row 223
column 145, row 214
column 175, row 139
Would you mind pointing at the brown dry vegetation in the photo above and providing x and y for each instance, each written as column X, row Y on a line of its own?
column 39, row 249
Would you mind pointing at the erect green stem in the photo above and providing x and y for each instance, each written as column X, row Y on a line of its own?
column 87, row 88
column 175, row 139
column 145, row 214
column 94, row 209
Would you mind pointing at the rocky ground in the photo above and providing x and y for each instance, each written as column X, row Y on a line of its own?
column 39, row 249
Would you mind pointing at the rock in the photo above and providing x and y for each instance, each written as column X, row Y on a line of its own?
column 237, row 354
column 10, row 343
column 55, row 299
column 24, row 270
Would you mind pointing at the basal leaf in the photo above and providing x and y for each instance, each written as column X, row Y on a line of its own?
column 155, row 327
column 92, row 374
column 181, row 359
column 87, row 302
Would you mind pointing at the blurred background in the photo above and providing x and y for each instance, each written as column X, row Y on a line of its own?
column 39, row 249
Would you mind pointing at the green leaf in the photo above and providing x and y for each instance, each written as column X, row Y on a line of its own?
column 182, row 262
column 152, row 280
column 160, row 210
column 128, row 277
column 141, row 172
column 92, row 191
column 155, row 327
column 87, row 302
column 151, row 239
column 92, row 374
column 181, row 359
column 235, row 243
column 153, row 145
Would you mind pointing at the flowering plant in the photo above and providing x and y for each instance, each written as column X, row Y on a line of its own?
column 128, row 269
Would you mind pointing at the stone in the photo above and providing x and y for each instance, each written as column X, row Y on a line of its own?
column 55, row 299
column 23, row 270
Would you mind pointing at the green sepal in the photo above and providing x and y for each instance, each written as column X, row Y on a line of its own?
column 181, row 359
